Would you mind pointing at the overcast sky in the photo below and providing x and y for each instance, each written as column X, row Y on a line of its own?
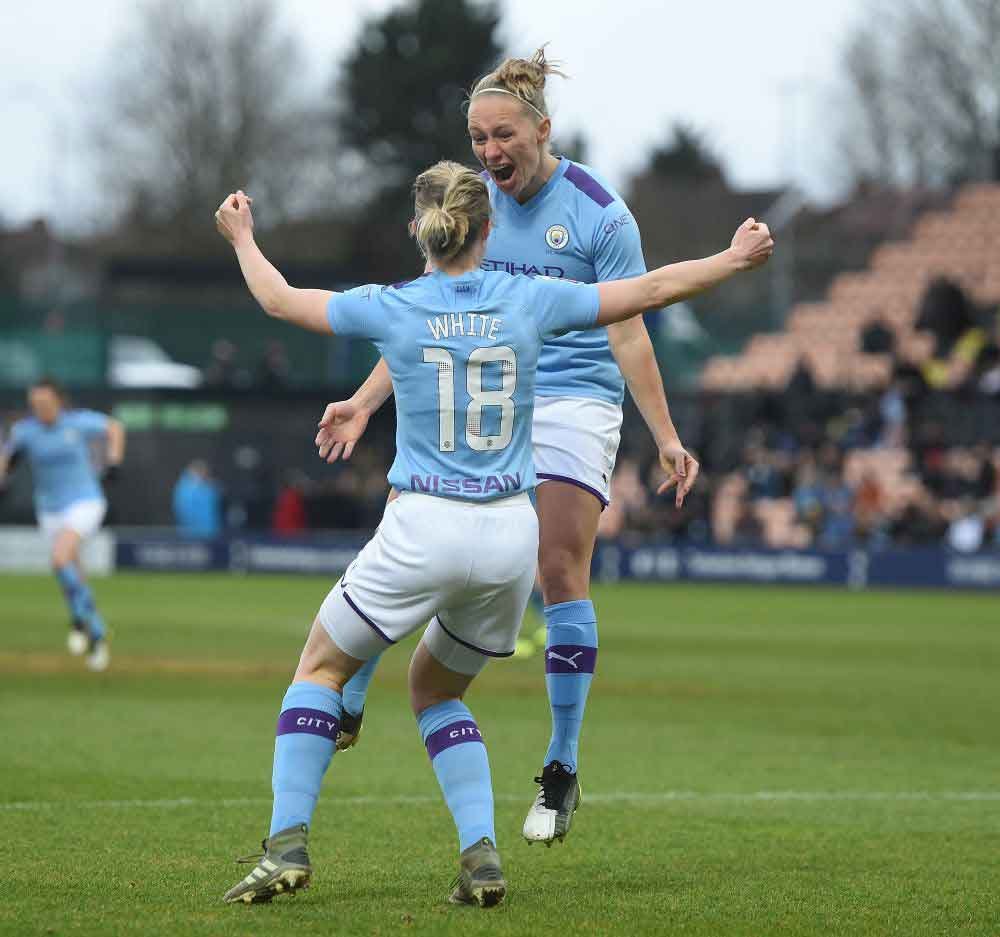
column 758, row 79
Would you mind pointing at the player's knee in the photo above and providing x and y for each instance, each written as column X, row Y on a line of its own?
column 315, row 668
column 61, row 556
column 423, row 697
column 565, row 574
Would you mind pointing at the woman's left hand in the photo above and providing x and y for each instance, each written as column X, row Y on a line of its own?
column 682, row 470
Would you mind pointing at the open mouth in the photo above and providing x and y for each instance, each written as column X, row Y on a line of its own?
column 502, row 173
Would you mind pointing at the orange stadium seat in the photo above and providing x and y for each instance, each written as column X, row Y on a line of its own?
column 959, row 243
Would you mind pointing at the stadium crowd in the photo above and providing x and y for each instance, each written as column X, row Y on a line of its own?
column 898, row 465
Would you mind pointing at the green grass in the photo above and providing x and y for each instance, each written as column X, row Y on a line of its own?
column 755, row 762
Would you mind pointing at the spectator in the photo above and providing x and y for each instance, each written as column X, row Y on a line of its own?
column 967, row 528
column 197, row 502
column 808, row 495
column 947, row 314
column 761, row 470
column 748, row 531
column 838, row 516
column 877, row 338
column 870, row 508
column 223, row 370
column 272, row 372
column 289, row 515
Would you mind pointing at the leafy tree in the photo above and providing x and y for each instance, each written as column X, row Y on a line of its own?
column 199, row 100
column 686, row 156
column 402, row 94
column 404, row 86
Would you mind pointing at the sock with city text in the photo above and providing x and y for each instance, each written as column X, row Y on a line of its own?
column 306, row 733
column 458, row 754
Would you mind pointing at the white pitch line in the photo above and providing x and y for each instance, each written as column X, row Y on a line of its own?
column 649, row 798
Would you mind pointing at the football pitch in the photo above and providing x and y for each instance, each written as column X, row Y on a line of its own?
column 755, row 761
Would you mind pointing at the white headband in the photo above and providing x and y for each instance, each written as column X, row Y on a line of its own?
column 511, row 93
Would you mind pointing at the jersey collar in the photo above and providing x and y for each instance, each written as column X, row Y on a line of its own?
column 541, row 195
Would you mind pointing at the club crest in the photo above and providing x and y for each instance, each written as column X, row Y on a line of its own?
column 557, row 237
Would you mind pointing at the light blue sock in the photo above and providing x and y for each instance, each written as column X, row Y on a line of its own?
column 80, row 600
column 570, row 658
column 458, row 755
column 307, row 731
column 356, row 689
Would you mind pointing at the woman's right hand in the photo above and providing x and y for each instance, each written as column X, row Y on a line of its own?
column 234, row 219
column 343, row 424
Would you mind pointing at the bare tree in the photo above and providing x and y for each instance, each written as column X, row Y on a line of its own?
column 200, row 99
column 923, row 98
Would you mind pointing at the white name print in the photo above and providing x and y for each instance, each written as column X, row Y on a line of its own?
column 465, row 730
column 566, row 660
column 467, row 324
column 312, row 721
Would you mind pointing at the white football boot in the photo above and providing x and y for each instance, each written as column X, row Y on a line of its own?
column 552, row 812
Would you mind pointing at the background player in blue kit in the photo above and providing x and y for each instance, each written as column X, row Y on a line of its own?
column 457, row 547
column 69, row 503
column 560, row 219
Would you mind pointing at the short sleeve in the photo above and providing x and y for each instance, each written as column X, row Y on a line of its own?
column 357, row 313
column 617, row 245
column 564, row 306
column 90, row 422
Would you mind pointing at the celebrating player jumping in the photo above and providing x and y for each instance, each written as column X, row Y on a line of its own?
column 68, row 498
column 457, row 547
column 559, row 219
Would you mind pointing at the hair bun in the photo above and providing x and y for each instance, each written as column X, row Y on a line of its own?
column 526, row 77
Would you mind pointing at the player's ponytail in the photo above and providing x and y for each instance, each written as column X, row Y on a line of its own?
column 451, row 207
column 522, row 78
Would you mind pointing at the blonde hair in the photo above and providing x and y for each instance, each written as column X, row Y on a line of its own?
column 451, row 206
column 522, row 78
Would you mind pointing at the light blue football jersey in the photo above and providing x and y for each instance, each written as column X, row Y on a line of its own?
column 575, row 227
column 463, row 352
column 60, row 458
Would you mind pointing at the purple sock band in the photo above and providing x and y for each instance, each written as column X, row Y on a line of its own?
column 570, row 658
column 454, row 734
column 309, row 721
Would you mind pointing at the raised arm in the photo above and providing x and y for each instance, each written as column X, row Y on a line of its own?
column 621, row 299
column 304, row 308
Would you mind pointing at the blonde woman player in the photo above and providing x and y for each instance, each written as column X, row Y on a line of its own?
column 558, row 219
column 457, row 547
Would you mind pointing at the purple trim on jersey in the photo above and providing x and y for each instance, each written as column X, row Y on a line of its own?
column 472, row 647
column 588, row 185
column 485, row 175
column 365, row 618
column 454, row 734
column 309, row 722
column 402, row 283
column 570, row 658
column 572, row 481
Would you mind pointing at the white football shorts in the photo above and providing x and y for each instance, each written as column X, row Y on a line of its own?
column 575, row 440
column 84, row 517
column 468, row 566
